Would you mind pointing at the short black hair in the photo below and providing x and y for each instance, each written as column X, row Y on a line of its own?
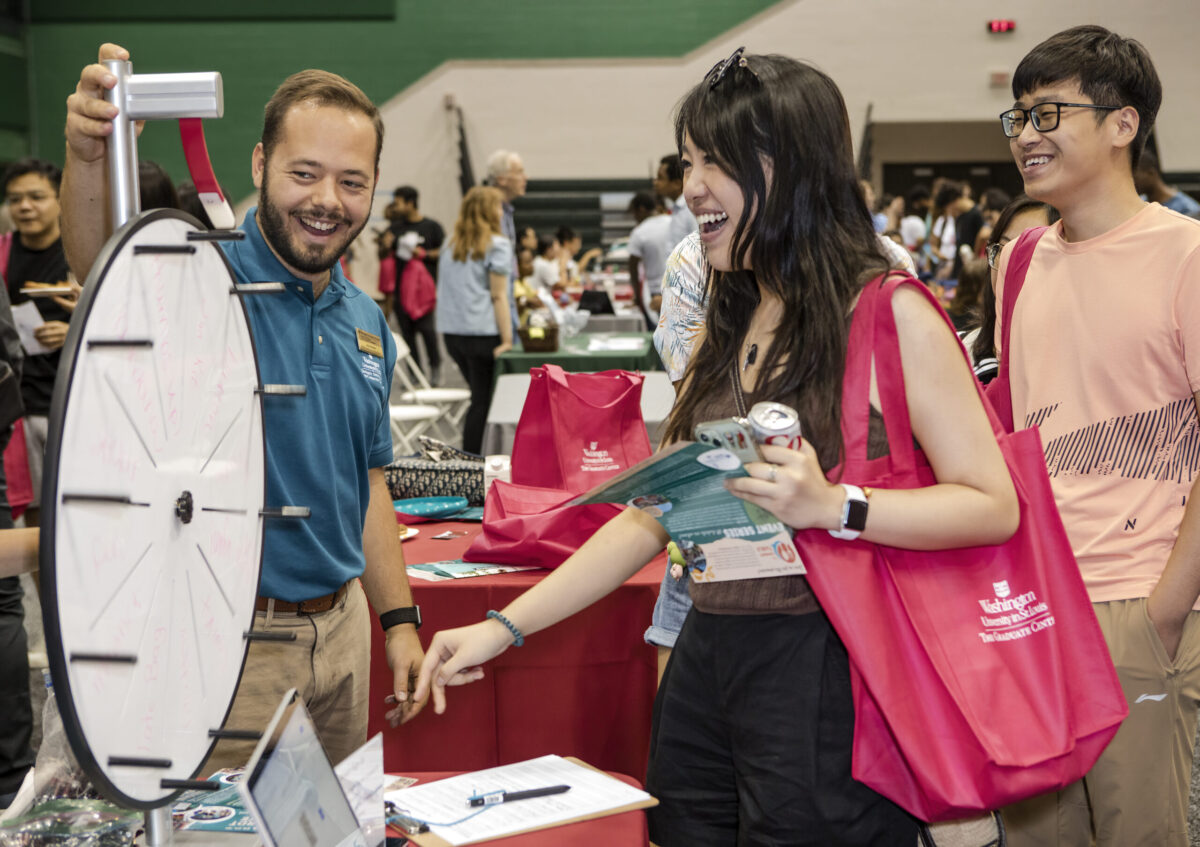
column 155, row 189
column 915, row 195
column 645, row 201
column 995, row 199
column 948, row 193
column 408, row 194
column 564, row 234
column 674, row 167
column 544, row 245
column 30, row 165
column 1110, row 69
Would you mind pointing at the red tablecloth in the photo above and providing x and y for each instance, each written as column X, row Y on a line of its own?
column 584, row 687
column 627, row 829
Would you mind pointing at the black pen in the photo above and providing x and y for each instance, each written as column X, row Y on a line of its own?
column 508, row 796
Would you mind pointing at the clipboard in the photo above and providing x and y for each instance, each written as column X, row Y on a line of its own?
column 429, row 839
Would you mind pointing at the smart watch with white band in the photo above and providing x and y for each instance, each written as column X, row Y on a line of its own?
column 854, row 514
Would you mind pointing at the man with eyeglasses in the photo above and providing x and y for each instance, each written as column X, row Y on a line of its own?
column 1105, row 353
column 32, row 258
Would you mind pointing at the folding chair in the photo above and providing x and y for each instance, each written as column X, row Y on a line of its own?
column 415, row 388
column 410, row 420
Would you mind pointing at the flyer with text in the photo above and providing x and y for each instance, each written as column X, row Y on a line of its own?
column 721, row 537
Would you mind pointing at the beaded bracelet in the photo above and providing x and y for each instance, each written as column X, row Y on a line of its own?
column 518, row 638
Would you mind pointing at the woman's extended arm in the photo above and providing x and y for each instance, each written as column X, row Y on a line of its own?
column 973, row 502
column 611, row 556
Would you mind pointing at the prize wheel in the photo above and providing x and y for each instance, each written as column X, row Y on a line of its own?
column 151, row 539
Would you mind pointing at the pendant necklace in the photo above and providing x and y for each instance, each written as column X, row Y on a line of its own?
column 751, row 355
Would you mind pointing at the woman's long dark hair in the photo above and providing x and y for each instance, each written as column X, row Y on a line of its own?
column 811, row 242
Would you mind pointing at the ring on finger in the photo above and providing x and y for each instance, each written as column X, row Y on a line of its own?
column 772, row 470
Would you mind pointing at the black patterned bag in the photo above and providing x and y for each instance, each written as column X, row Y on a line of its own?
column 439, row 471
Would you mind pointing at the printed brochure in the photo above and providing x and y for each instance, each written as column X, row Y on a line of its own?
column 720, row 537
column 458, row 569
column 217, row 811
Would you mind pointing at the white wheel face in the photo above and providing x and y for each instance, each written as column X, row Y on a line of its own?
column 152, row 608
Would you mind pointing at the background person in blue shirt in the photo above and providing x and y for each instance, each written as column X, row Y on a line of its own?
column 315, row 169
column 1148, row 180
column 473, row 292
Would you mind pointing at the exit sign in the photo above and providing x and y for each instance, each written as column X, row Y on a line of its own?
column 1001, row 26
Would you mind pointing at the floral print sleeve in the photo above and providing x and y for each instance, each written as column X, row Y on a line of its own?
column 681, row 317
column 896, row 255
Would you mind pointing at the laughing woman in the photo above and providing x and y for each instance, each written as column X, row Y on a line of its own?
column 754, row 719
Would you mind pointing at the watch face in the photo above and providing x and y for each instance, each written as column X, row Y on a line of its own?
column 152, row 537
column 856, row 514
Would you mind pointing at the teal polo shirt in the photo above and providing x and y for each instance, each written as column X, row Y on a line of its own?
column 319, row 447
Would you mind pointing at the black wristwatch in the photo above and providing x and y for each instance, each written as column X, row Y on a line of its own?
column 405, row 614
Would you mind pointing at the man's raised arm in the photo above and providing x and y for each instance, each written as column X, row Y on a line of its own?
column 86, row 218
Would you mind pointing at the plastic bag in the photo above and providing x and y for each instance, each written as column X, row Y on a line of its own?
column 72, row 823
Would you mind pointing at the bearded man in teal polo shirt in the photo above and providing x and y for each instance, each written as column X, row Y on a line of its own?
column 315, row 169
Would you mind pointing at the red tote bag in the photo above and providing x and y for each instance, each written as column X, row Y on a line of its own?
column 999, row 390
column 579, row 429
column 387, row 274
column 980, row 675
column 16, row 471
column 576, row 431
column 418, row 291
column 524, row 525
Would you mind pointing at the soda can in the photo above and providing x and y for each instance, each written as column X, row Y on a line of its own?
column 775, row 423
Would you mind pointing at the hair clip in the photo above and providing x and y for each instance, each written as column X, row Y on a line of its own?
column 721, row 69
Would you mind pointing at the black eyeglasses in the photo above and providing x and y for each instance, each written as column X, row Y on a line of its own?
column 721, row 69
column 1045, row 116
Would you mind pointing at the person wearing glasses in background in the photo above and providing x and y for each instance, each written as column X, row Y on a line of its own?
column 32, row 257
column 1105, row 357
column 1022, row 213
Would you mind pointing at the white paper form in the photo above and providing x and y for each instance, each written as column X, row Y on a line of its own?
column 361, row 776
column 599, row 343
column 448, row 800
column 27, row 318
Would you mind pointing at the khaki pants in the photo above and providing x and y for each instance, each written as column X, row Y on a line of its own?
column 329, row 664
column 1137, row 792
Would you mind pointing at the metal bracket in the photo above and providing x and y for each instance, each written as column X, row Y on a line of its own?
column 150, row 97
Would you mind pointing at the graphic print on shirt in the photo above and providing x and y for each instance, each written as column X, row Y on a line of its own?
column 1161, row 444
column 372, row 369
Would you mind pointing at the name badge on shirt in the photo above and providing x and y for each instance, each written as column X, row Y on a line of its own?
column 369, row 343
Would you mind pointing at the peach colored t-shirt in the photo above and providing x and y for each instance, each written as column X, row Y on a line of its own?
column 1105, row 361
